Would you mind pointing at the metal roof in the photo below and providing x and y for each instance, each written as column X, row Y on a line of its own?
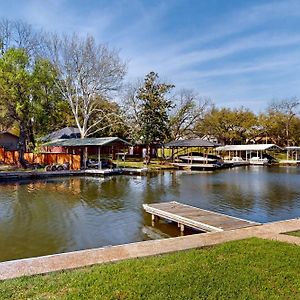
column 86, row 142
column 250, row 147
column 293, row 148
column 190, row 143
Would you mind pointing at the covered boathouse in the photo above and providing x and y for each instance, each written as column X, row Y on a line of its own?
column 293, row 153
column 246, row 151
column 180, row 147
column 104, row 147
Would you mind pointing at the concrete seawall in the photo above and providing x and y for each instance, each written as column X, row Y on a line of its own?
column 78, row 259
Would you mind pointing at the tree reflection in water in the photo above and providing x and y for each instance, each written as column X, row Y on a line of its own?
column 65, row 214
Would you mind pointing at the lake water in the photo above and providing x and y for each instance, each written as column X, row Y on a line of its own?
column 66, row 214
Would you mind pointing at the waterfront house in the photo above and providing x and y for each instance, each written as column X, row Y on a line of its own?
column 96, row 148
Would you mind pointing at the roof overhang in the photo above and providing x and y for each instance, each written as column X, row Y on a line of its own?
column 86, row 142
column 250, row 147
column 190, row 143
column 297, row 148
column 8, row 133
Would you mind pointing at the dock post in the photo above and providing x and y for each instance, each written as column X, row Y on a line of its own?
column 154, row 219
column 181, row 227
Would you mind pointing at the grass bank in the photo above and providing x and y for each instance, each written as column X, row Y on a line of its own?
column 249, row 269
column 294, row 233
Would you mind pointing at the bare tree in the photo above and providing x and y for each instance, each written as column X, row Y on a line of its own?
column 286, row 110
column 189, row 110
column 19, row 34
column 88, row 73
column 6, row 32
column 131, row 108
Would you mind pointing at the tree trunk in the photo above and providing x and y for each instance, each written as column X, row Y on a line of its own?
column 22, row 146
column 84, row 153
column 287, row 135
column 148, row 155
column 31, row 138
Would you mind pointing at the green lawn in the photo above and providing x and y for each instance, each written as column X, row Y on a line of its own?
column 294, row 233
column 249, row 269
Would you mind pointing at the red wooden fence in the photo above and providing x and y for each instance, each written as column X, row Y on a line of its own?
column 11, row 158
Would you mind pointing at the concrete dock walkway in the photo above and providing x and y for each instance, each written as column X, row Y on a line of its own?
column 77, row 259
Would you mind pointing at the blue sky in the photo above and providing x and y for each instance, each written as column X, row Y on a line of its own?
column 235, row 52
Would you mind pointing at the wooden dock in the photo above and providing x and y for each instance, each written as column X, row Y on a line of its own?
column 194, row 217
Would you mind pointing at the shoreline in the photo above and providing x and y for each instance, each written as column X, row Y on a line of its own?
column 82, row 258
column 7, row 176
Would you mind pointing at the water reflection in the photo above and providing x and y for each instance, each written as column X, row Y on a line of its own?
column 57, row 215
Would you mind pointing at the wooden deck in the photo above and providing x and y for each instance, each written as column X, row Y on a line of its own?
column 194, row 217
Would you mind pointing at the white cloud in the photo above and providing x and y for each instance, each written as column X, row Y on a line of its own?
column 250, row 40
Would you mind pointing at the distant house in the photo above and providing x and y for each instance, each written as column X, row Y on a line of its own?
column 65, row 133
column 210, row 138
column 8, row 141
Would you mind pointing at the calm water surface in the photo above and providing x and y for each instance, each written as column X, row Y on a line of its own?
column 66, row 214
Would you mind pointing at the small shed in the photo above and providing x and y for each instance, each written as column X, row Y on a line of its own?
column 105, row 146
column 9, row 141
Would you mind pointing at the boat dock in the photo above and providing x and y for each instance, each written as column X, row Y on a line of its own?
column 194, row 217
column 206, row 167
column 117, row 171
column 196, row 167
column 34, row 174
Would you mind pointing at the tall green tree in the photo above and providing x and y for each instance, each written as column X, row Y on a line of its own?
column 229, row 125
column 50, row 110
column 280, row 121
column 153, row 115
column 25, row 86
column 15, row 96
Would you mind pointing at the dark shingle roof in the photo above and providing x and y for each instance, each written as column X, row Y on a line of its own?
column 190, row 143
column 7, row 132
column 86, row 142
column 65, row 133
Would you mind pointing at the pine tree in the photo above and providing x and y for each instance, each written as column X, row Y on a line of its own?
column 154, row 110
